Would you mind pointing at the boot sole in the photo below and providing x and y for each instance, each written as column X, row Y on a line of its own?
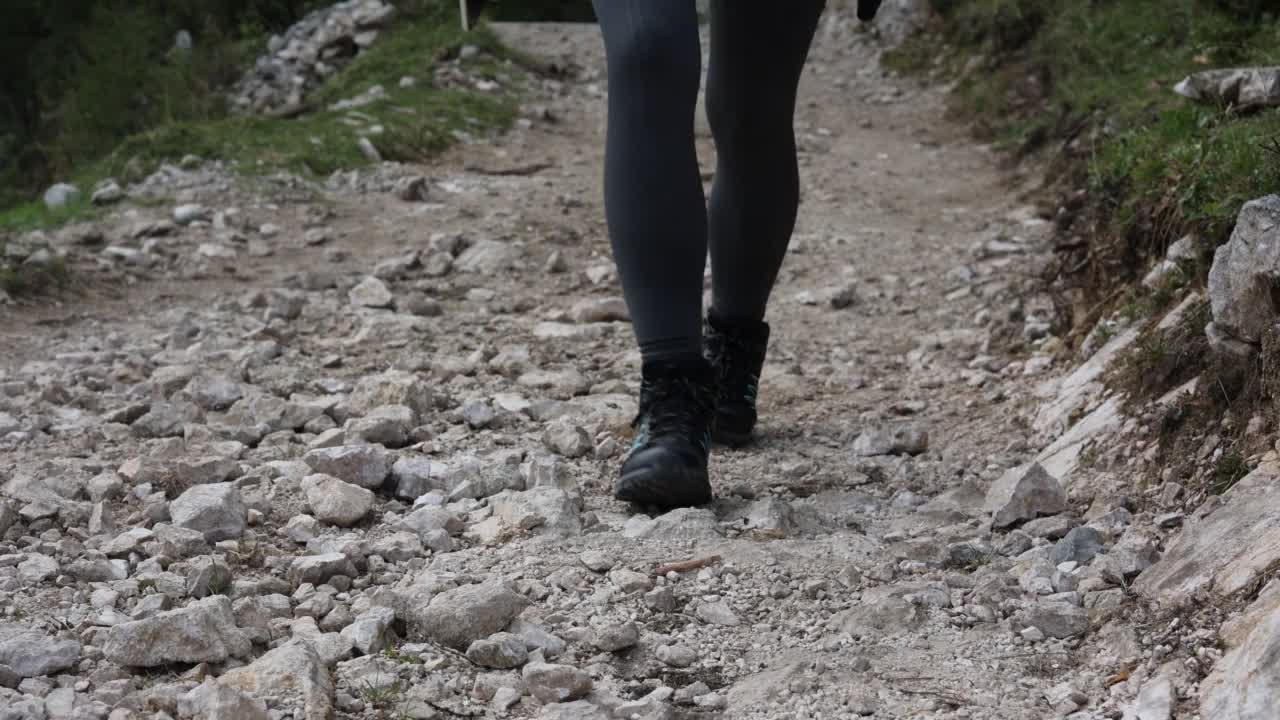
column 732, row 438
column 643, row 487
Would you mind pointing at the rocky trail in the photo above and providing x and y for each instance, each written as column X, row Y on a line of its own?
column 346, row 451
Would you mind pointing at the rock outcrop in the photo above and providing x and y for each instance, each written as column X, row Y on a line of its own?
column 1247, row 88
column 308, row 53
column 1244, row 282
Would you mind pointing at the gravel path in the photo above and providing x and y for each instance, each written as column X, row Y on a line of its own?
column 357, row 464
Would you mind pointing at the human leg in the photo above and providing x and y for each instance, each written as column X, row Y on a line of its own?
column 758, row 52
column 656, row 214
column 654, row 203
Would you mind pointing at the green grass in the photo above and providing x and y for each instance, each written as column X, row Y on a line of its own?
column 1120, row 61
column 919, row 54
column 33, row 214
column 418, row 121
column 1202, row 163
column 1143, row 303
column 1228, row 470
column 1034, row 74
column 1087, row 87
column 384, row 696
column 388, row 700
column 411, row 48
column 395, row 655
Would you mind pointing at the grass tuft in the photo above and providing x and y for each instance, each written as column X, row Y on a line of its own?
column 1228, row 470
column 19, row 279
column 34, row 215
column 1163, row 360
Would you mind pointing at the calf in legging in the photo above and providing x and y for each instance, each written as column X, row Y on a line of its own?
column 700, row 372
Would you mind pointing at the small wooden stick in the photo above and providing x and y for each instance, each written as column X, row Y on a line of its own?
column 943, row 696
column 687, row 565
column 530, row 169
column 1117, row 678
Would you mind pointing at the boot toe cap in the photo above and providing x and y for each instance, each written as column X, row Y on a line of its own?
column 659, row 477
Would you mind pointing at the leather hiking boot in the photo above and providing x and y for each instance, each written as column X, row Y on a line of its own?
column 667, row 466
column 736, row 352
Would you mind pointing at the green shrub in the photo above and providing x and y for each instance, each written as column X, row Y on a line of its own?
column 1101, row 72
column 135, row 137
column 1002, row 25
column 91, row 123
column 77, row 76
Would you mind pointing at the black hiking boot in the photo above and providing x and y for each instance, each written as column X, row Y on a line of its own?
column 667, row 467
column 736, row 352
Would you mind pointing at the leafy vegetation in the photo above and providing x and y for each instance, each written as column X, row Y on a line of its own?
column 1164, row 359
column 1086, row 88
column 395, row 655
column 33, row 214
column 80, row 123
column 1228, row 470
column 1094, row 81
column 388, row 700
column 77, row 76
column 416, row 121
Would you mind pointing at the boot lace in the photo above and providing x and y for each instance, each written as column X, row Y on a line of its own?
column 728, row 354
column 673, row 406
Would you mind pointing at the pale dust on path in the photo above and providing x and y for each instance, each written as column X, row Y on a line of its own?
column 894, row 200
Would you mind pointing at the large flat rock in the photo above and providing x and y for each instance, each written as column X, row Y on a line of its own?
column 1225, row 551
column 291, row 675
column 1245, row 684
column 28, row 652
column 1070, row 396
column 203, row 631
column 1062, row 458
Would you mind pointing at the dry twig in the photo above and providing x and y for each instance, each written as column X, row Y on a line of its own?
column 529, row 169
column 687, row 565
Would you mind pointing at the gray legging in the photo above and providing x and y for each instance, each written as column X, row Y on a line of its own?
column 660, row 225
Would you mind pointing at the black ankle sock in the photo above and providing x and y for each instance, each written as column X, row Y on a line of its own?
column 722, row 320
column 673, row 352
column 683, row 364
